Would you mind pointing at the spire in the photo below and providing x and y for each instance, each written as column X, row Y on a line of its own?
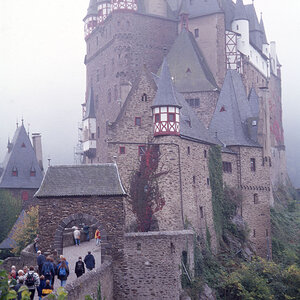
column 184, row 15
column 240, row 11
column 262, row 29
column 90, row 106
column 165, row 95
column 92, row 10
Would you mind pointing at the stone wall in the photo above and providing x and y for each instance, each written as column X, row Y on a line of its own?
column 88, row 283
column 26, row 258
column 106, row 212
column 116, row 53
column 154, row 263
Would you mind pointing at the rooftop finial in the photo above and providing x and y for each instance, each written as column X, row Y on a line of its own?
column 17, row 123
column 28, row 126
column 22, row 121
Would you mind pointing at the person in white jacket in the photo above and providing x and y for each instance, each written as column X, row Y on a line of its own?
column 77, row 236
column 32, row 280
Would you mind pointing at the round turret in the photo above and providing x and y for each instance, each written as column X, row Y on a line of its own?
column 104, row 9
column 90, row 21
column 240, row 25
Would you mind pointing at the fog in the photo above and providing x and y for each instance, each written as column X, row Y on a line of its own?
column 42, row 75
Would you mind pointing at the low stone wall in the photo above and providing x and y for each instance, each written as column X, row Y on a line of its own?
column 154, row 263
column 27, row 258
column 88, row 283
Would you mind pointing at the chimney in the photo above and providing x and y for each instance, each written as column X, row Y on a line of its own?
column 37, row 146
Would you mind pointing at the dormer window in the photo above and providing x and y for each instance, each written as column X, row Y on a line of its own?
column 32, row 172
column 222, row 109
column 14, row 172
column 23, row 145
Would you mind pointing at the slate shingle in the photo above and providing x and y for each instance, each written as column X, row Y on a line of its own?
column 82, row 180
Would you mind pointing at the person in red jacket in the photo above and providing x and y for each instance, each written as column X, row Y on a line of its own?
column 98, row 237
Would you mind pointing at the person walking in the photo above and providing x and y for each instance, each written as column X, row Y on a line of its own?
column 40, row 261
column 79, row 267
column 77, row 236
column 86, row 230
column 48, row 269
column 98, row 237
column 89, row 261
column 41, row 286
column 63, row 273
column 47, row 289
column 17, row 287
column 32, row 281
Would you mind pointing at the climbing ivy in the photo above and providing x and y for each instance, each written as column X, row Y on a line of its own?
column 216, row 182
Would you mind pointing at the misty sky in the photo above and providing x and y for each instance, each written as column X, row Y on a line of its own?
column 42, row 75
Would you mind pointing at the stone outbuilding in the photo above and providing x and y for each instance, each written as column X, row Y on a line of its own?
column 90, row 194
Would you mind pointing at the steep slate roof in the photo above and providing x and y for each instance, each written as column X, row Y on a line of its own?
column 190, row 124
column 198, row 8
column 254, row 102
column 82, row 180
column 254, row 27
column 229, row 9
column 232, row 113
column 9, row 242
column 240, row 12
column 165, row 95
column 188, row 66
column 93, row 9
column 23, row 158
column 90, row 106
column 263, row 32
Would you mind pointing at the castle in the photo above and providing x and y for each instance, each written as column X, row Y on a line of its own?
column 186, row 75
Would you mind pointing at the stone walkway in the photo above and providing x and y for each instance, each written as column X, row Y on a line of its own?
column 72, row 253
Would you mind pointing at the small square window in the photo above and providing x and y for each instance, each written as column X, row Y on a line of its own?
column 24, row 196
column 138, row 121
column 255, row 198
column 208, row 181
column 188, row 150
column 205, row 153
column 171, row 117
column 122, row 150
column 194, row 179
column 196, row 32
column 139, row 246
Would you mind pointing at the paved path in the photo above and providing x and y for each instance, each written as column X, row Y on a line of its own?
column 72, row 253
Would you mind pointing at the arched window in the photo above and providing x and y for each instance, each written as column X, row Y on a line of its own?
column 144, row 97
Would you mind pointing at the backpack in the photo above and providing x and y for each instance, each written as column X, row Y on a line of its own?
column 80, row 266
column 29, row 279
column 62, row 272
column 47, row 271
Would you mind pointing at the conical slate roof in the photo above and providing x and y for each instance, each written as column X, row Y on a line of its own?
column 263, row 32
column 21, row 158
column 90, row 106
column 240, row 11
column 232, row 113
column 188, row 66
column 165, row 95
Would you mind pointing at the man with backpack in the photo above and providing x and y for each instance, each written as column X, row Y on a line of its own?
column 48, row 269
column 79, row 267
column 32, row 281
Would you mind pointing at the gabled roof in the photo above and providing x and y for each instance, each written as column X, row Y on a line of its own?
column 165, row 95
column 240, row 12
column 22, row 158
column 232, row 113
column 82, row 180
column 90, row 106
column 188, row 66
column 229, row 9
column 9, row 242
